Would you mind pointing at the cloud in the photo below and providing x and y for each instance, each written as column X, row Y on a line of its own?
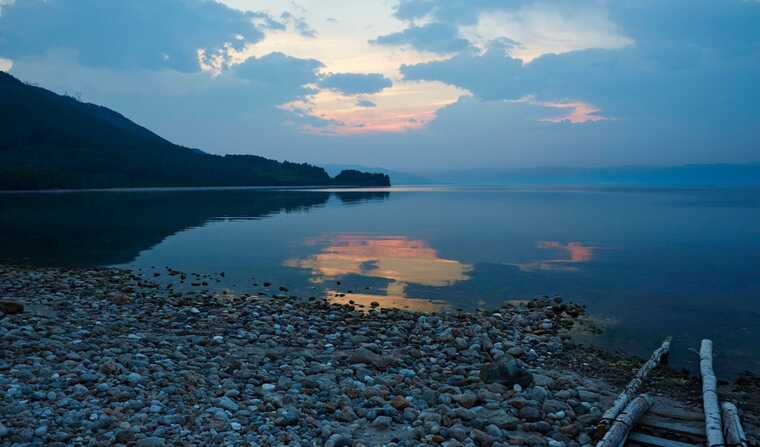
column 355, row 83
column 299, row 24
column 434, row 37
column 366, row 103
column 492, row 75
column 670, row 73
column 279, row 71
column 156, row 34
column 453, row 11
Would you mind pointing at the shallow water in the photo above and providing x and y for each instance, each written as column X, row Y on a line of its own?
column 647, row 263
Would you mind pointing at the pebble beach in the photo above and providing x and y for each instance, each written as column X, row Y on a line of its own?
column 108, row 357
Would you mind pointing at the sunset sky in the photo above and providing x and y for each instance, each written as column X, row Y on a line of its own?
column 411, row 84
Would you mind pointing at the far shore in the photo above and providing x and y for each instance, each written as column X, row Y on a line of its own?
column 203, row 188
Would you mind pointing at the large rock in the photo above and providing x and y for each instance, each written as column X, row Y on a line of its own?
column 506, row 370
column 370, row 358
column 11, row 308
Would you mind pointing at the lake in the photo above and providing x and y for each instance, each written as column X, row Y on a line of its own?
column 647, row 263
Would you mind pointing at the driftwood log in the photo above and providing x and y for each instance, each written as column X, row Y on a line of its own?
column 713, row 426
column 621, row 426
column 630, row 390
column 732, row 426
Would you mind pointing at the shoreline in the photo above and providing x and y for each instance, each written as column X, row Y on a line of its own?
column 199, row 188
column 105, row 356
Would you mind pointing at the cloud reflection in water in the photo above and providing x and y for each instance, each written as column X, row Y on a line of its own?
column 396, row 258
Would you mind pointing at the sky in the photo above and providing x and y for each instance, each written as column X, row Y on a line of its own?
column 413, row 85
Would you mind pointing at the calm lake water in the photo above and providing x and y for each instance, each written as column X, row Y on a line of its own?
column 647, row 263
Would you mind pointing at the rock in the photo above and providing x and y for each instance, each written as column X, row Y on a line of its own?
column 553, row 406
column 228, row 404
column 542, row 380
column 338, row 440
column 201, row 367
column 289, row 415
column 11, row 308
column 125, row 436
column 399, row 403
column 503, row 420
column 368, row 357
column 505, row 370
column 530, row 413
column 516, row 351
column 483, row 439
column 566, row 394
column 151, row 441
column 468, row 400
column 382, row 422
column 494, row 431
column 587, row 396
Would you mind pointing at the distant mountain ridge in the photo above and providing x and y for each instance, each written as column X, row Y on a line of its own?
column 693, row 175
column 51, row 141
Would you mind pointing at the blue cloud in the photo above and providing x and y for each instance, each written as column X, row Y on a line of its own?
column 299, row 24
column 454, row 11
column 153, row 34
column 434, row 37
column 366, row 103
column 279, row 68
column 493, row 75
column 355, row 83
column 679, row 71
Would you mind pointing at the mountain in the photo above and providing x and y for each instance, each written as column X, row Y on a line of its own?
column 399, row 178
column 695, row 175
column 50, row 141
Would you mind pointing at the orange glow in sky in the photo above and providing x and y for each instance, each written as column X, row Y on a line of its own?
column 341, row 37
column 580, row 112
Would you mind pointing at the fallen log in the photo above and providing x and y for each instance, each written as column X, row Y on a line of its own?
column 732, row 426
column 713, row 426
column 625, row 397
column 621, row 426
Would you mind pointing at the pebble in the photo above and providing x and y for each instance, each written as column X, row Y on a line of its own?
column 167, row 367
column 151, row 441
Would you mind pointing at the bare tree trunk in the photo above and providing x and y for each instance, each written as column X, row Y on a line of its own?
column 713, row 428
column 732, row 424
column 623, row 423
column 630, row 390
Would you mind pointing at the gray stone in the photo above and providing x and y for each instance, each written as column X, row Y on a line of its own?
column 382, row 422
column 506, row 370
column 151, row 441
column 228, row 404
column 289, row 415
column 338, row 440
column 542, row 380
column 530, row 413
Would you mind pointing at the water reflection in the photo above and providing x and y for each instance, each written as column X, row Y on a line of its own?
column 97, row 228
column 399, row 259
column 569, row 256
